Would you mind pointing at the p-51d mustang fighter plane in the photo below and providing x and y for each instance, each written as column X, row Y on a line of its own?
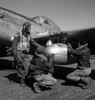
column 42, row 29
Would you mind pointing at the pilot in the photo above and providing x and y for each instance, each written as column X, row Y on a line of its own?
column 83, row 70
column 20, row 49
column 41, row 71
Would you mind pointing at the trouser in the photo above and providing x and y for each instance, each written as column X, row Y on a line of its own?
column 45, row 79
column 23, row 64
column 79, row 73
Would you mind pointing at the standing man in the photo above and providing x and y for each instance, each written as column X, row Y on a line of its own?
column 20, row 49
column 82, row 72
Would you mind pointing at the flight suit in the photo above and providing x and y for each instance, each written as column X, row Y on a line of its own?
column 20, row 49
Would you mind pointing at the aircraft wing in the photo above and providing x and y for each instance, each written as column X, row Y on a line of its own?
column 88, row 34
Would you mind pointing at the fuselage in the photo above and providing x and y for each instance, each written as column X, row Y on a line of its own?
column 11, row 23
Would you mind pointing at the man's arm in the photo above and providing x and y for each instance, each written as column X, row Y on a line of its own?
column 75, row 52
column 51, row 63
column 50, row 60
column 34, row 42
column 40, row 48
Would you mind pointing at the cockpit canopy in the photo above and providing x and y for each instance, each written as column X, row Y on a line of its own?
column 40, row 20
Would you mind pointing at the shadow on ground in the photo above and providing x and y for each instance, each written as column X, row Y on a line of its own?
column 5, row 64
column 60, row 73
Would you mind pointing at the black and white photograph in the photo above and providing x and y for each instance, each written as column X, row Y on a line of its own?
column 47, row 49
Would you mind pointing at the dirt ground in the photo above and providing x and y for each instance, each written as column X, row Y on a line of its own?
column 61, row 91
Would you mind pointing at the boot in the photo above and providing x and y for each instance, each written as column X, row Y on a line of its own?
column 85, row 82
column 44, row 87
column 22, row 83
column 37, row 88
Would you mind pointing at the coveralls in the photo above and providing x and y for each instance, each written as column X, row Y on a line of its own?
column 84, row 65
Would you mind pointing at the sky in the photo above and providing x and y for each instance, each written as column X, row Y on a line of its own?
column 67, row 14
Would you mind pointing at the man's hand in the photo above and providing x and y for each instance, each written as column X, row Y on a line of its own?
column 52, row 55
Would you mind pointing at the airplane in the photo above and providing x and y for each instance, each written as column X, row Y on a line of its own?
column 11, row 22
column 43, row 29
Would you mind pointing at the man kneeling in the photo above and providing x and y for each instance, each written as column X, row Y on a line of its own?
column 41, row 70
column 82, row 72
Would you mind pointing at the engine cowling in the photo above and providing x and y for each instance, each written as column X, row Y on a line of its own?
column 60, row 51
